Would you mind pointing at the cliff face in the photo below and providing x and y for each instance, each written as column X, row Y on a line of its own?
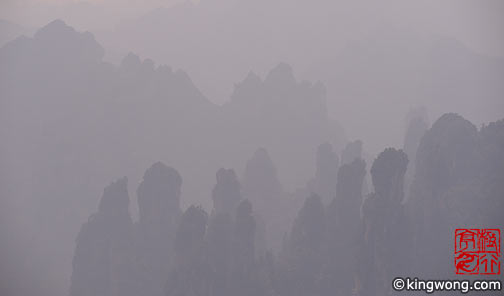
column 446, row 158
column 226, row 194
column 159, row 208
column 344, row 227
column 386, row 238
column 104, row 255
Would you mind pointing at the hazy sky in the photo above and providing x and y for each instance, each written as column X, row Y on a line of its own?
column 477, row 23
column 84, row 15
column 310, row 35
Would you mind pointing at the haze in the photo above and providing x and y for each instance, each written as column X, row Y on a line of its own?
column 180, row 125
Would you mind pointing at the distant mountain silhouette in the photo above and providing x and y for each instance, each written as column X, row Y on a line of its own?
column 72, row 122
column 403, row 69
column 216, row 41
column 10, row 31
column 257, row 87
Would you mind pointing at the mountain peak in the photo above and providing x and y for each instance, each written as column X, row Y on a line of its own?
column 61, row 40
column 281, row 74
column 55, row 28
column 131, row 61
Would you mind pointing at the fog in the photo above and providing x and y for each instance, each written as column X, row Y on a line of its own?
column 238, row 147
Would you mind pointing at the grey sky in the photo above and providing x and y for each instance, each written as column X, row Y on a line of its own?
column 478, row 24
column 73, row 117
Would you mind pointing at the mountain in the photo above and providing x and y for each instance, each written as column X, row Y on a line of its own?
column 400, row 69
column 71, row 122
column 366, row 56
column 9, row 31
column 65, row 113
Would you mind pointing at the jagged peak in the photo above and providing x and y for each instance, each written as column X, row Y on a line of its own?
column 389, row 163
column 159, row 190
column 161, row 172
column 63, row 41
column 57, row 26
column 226, row 175
column 281, row 74
column 252, row 78
column 453, row 120
column 131, row 61
column 493, row 125
column 58, row 30
column 451, row 117
column 115, row 197
column 247, row 87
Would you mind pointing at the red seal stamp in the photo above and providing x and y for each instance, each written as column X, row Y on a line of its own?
column 477, row 251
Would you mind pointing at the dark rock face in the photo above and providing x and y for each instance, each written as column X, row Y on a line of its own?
column 159, row 196
column 446, row 158
column 344, row 227
column 190, row 274
column 386, row 230
column 103, row 260
column 159, row 207
column 458, row 169
column 191, row 233
column 218, row 260
column 115, row 257
column 305, row 250
column 490, row 180
column 387, row 174
column 446, row 155
column 227, row 192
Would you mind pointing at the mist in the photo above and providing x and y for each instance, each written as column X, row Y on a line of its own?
column 237, row 147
